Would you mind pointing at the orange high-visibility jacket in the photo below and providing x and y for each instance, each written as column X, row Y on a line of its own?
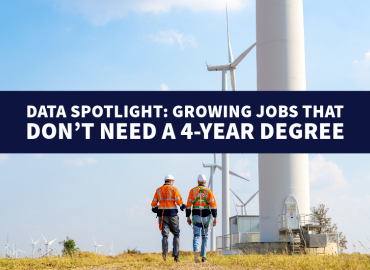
column 203, row 204
column 167, row 196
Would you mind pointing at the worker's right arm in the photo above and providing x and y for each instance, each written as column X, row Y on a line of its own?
column 155, row 202
column 189, row 203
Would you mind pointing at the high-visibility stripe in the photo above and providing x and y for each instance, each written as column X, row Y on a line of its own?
column 155, row 200
column 195, row 194
column 206, row 193
column 168, row 207
column 190, row 200
column 155, row 206
column 170, row 198
column 211, row 201
column 213, row 207
column 188, row 207
column 159, row 194
column 178, row 198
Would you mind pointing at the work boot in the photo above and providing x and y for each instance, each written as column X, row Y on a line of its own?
column 177, row 259
column 196, row 257
column 204, row 260
column 164, row 256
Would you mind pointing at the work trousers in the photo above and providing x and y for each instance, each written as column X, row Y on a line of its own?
column 197, row 231
column 170, row 224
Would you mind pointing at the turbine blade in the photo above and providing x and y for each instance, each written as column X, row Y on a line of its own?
column 44, row 238
column 232, row 173
column 214, row 158
column 231, row 58
column 94, row 241
column 37, row 241
column 237, row 175
column 242, row 56
column 237, row 196
column 52, row 241
column 233, row 80
column 251, row 198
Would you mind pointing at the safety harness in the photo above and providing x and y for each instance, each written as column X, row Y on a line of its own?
column 198, row 198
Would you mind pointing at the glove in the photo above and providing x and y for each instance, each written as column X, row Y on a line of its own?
column 182, row 207
column 155, row 210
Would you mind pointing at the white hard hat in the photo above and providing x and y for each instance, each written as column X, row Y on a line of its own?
column 202, row 178
column 169, row 177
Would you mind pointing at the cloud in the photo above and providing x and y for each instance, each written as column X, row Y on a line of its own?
column 171, row 37
column 164, row 87
column 240, row 168
column 3, row 158
column 80, row 162
column 360, row 72
column 326, row 174
column 101, row 12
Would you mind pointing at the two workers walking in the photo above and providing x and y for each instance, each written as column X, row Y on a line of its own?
column 201, row 205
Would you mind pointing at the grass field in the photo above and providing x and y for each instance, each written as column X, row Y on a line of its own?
column 87, row 260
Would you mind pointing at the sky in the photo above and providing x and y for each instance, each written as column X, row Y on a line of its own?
column 160, row 45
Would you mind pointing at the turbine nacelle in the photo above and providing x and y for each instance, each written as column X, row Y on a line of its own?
column 218, row 67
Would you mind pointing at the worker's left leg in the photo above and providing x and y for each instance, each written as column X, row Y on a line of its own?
column 203, row 253
column 165, row 234
column 175, row 229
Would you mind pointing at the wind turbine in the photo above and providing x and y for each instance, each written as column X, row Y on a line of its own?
column 8, row 248
column 96, row 246
column 213, row 167
column 232, row 65
column 16, row 251
column 243, row 206
column 33, row 246
column 48, row 244
column 111, row 253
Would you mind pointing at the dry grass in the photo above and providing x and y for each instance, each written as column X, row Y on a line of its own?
column 86, row 260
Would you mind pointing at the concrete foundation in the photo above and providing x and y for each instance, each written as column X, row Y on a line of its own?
column 265, row 248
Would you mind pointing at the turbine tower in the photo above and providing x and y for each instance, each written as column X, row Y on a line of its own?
column 96, row 246
column 280, row 66
column 243, row 206
column 33, row 247
column 8, row 248
column 225, row 157
column 213, row 167
column 47, row 245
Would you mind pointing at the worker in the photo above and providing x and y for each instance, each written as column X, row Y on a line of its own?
column 204, row 205
column 168, row 197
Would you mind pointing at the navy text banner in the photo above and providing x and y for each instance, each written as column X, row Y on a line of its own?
column 184, row 122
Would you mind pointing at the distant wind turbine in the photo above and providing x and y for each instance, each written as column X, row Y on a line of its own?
column 16, row 251
column 111, row 253
column 8, row 249
column 96, row 246
column 243, row 206
column 48, row 244
column 33, row 246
